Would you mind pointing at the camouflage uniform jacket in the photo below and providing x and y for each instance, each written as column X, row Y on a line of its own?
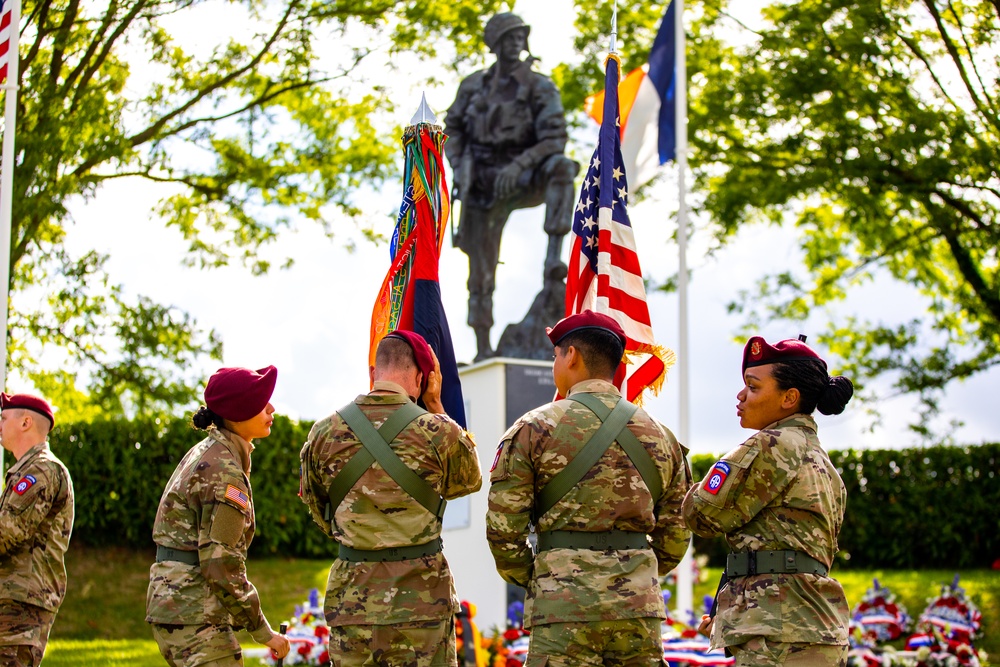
column 207, row 507
column 378, row 514
column 568, row 585
column 36, row 520
column 778, row 491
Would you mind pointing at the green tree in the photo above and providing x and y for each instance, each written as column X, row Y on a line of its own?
column 255, row 131
column 874, row 129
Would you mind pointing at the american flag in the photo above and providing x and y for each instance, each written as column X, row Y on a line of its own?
column 6, row 7
column 604, row 272
column 237, row 496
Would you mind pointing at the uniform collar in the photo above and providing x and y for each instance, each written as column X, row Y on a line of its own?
column 28, row 456
column 397, row 396
column 797, row 420
column 240, row 448
column 594, row 386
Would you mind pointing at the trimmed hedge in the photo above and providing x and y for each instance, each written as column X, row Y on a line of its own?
column 933, row 507
column 119, row 469
column 921, row 508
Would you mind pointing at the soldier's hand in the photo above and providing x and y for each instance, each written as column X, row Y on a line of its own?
column 279, row 646
column 507, row 180
column 432, row 395
column 705, row 627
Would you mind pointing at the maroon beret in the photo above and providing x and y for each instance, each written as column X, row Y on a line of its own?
column 237, row 394
column 758, row 352
column 27, row 402
column 588, row 319
column 421, row 352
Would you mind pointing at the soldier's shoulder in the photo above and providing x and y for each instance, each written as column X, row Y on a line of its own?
column 217, row 457
column 474, row 80
column 438, row 421
column 542, row 417
column 790, row 435
column 324, row 427
column 47, row 464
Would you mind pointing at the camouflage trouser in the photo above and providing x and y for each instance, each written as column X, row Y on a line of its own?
column 24, row 631
column 632, row 642
column 418, row 644
column 760, row 651
column 198, row 645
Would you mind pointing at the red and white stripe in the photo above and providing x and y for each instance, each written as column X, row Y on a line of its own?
column 5, row 33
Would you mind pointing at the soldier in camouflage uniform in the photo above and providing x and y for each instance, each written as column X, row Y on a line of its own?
column 199, row 594
column 36, row 520
column 593, row 597
column 780, row 504
column 390, row 599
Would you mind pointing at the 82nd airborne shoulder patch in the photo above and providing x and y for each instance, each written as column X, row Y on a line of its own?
column 716, row 477
column 24, row 484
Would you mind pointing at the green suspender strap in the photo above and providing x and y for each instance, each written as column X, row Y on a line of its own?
column 375, row 447
column 614, row 427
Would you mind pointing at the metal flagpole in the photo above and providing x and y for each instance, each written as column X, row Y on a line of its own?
column 7, row 188
column 685, row 576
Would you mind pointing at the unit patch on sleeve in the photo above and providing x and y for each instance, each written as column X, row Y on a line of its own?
column 716, row 477
column 496, row 459
column 236, row 495
column 24, row 484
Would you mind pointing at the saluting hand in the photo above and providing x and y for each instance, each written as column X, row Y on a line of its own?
column 432, row 395
column 279, row 646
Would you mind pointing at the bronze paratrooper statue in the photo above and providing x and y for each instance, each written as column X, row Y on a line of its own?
column 507, row 134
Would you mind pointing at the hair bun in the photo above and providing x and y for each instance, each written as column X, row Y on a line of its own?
column 835, row 395
column 203, row 418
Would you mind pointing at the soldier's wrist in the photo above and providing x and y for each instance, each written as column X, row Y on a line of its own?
column 263, row 634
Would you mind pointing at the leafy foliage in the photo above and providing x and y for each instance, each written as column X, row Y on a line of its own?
column 903, row 510
column 119, row 468
column 256, row 123
column 873, row 128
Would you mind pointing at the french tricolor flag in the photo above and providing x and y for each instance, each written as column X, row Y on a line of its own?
column 647, row 98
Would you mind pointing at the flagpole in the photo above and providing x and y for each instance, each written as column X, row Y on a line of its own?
column 685, row 575
column 7, row 189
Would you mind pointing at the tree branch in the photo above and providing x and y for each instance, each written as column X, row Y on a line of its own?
column 154, row 129
column 957, row 58
column 966, row 264
column 972, row 58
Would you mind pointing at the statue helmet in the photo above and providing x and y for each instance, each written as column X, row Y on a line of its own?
column 500, row 25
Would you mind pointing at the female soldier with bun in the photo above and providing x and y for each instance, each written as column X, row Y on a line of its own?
column 199, row 593
column 780, row 503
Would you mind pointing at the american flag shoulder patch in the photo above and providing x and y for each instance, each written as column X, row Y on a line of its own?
column 237, row 496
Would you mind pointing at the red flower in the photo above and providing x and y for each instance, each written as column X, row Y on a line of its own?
column 304, row 649
column 322, row 631
column 324, row 657
column 512, row 634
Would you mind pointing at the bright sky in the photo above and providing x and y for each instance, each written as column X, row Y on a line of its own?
column 312, row 321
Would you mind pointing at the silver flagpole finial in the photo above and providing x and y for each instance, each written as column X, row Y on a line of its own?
column 614, row 30
column 424, row 113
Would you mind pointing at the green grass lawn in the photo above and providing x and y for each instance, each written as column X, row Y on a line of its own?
column 102, row 622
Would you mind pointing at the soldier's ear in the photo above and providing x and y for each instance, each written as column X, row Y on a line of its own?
column 573, row 356
column 791, row 398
